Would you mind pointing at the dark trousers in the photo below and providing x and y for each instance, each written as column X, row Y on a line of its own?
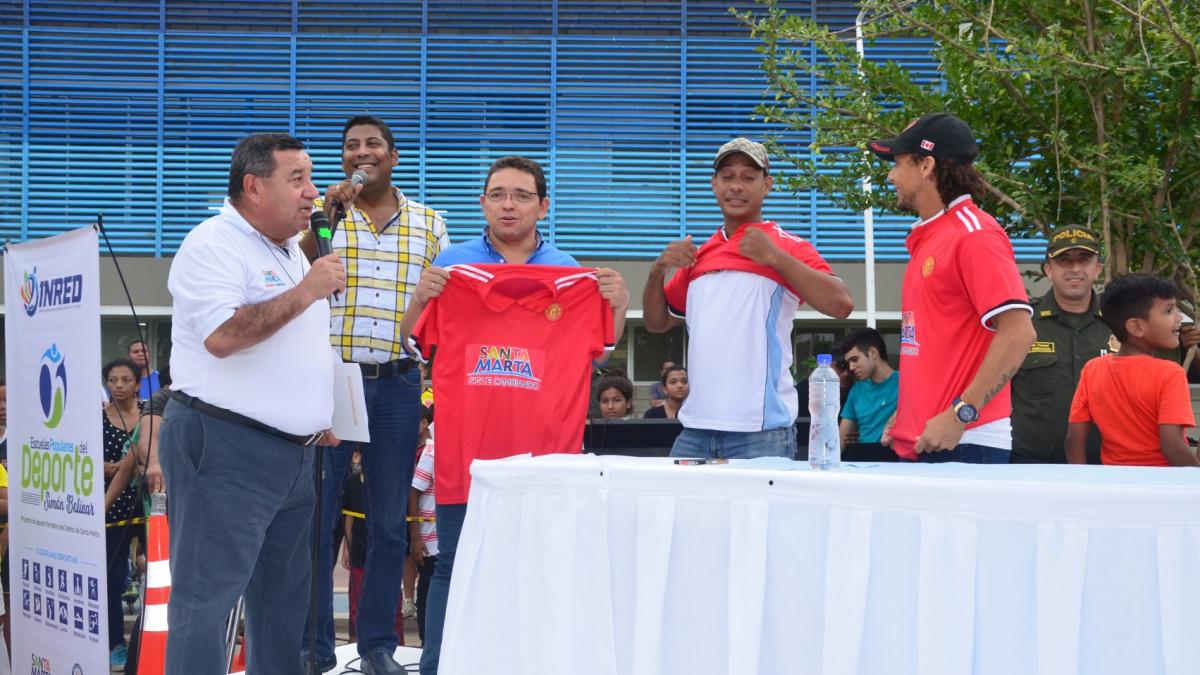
column 394, row 414
column 116, row 551
column 424, row 576
column 394, row 417
column 355, row 593
column 335, row 461
column 241, row 507
column 969, row 453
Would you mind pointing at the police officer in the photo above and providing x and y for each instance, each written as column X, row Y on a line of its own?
column 1069, row 334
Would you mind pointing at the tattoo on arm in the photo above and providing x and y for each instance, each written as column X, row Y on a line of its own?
column 999, row 386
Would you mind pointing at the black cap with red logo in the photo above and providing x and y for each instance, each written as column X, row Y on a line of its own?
column 937, row 135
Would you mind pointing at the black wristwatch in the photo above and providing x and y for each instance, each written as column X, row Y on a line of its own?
column 965, row 412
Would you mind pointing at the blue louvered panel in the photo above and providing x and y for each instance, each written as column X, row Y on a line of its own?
column 12, row 13
column 133, row 14
column 258, row 16
column 92, row 129
column 723, row 85
column 360, row 16
column 604, row 113
column 486, row 17
column 11, row 134
column 838, row 15
column 621, row 17
column 617, row 163
column 338, row 77
column 712, row 17
column 213, row 96
column 487, row 98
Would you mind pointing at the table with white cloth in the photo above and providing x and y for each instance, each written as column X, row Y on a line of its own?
column 580, row 565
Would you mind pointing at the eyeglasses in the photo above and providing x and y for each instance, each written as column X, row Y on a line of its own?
column 518, row 196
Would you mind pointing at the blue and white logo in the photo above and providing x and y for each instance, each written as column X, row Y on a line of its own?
column 52, row 386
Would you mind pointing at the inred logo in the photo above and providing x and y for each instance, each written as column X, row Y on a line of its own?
column 927, row 146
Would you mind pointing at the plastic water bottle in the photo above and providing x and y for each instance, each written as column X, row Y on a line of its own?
column 824, row 393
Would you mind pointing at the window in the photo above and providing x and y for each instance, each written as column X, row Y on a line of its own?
column 650, row 350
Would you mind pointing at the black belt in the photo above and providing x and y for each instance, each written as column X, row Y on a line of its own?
column 230, row 416
column 375, row 371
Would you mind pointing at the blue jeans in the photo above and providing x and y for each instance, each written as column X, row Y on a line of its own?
column 449, row 523
column 241, row 507
column 710, row 444
column 394, row 414
column 335, row 462
column 969, row 453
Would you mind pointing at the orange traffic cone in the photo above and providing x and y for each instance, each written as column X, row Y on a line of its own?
column 239, row 658
column 153, row 653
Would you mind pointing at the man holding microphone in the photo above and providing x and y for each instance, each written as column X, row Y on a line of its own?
column 253, row 390
column 386, row 240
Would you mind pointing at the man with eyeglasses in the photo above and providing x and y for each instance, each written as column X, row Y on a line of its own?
column 386, row 241
column 514, row 200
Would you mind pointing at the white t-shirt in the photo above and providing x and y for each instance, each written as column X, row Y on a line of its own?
column 739, row 353
column 285, row 381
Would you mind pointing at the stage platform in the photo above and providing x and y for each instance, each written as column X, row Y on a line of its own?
column 347, row 655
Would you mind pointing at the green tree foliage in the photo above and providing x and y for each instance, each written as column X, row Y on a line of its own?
column 1086, row 111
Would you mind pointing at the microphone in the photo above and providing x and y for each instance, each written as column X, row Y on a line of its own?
column 318, row 222
column 339, row 211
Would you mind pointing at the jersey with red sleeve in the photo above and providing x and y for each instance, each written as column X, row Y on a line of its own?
column 739, row 317
column 961, row 274
column 515, row 344
column 721, row 254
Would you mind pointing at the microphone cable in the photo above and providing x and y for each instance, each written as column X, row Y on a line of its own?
column 139, row 469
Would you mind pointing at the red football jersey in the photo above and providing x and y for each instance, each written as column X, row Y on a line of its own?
column 720, row 254
column 961, row 274
column 515, row 345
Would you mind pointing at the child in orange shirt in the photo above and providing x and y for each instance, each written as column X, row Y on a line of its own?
column 1140, row 404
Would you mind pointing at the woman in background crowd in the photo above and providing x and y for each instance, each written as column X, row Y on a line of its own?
column 675, row 383
column 121, row 415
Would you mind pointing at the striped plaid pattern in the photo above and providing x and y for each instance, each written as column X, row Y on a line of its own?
column 381, row 274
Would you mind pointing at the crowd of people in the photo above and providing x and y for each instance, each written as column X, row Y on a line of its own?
column 614, row 393
column 985, row 374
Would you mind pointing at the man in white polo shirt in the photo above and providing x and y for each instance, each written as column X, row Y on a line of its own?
column 739, row 293
column 253, row 390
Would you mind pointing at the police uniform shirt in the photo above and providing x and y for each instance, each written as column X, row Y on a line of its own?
column 1045, row 384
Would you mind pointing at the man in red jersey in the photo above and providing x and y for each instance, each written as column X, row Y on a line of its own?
column 514, row 199
column 965, row 315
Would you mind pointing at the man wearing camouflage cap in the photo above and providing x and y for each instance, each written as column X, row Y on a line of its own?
column 739, row 293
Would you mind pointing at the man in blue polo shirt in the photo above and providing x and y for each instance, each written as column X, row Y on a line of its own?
column 514, row 199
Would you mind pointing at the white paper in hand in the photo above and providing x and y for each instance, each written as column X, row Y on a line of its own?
column 349, row 405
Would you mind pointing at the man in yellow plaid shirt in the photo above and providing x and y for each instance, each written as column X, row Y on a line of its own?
column 385, row 241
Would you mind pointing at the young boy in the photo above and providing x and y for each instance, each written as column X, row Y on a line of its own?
column 422, row 538
column 1140, row 404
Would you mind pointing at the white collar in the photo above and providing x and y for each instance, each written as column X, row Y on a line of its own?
column 958, row 200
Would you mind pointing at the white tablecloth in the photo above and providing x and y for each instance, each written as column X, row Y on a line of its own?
column 579, row 565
